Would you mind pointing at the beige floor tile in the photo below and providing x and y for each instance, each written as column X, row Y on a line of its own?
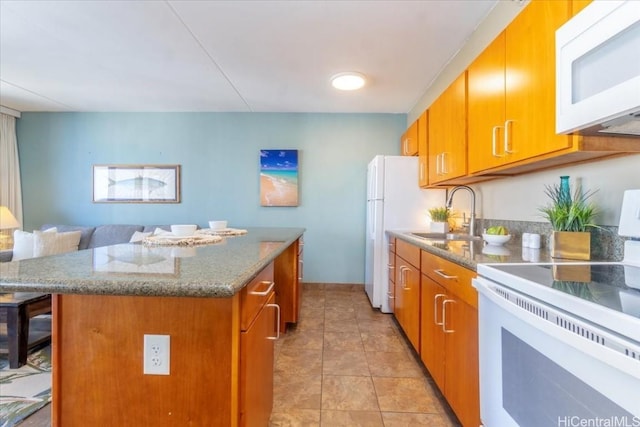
column 345, row 363
column 348, row 393
column 350, row 326
column 365, row 311
column 399, row 419
column 337, row 302
column 304, row 340
column 296, row 392
column 295, row 418
column 382, row 341
column 341, row 287
column 294, row 361
column 340, row 314
column 376, row 326
column 310, row 302
column 405, row 395
column 311, row 322
column 351, row 419
column 343, row 341
column 393, row 364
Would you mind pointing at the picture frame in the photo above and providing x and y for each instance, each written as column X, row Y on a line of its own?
column 279, row 178
column 136, row 183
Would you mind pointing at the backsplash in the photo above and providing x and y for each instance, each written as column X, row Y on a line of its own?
column 606, row 245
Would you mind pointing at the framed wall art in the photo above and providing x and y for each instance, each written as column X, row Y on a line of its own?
column 279, row 177
column 136, row 183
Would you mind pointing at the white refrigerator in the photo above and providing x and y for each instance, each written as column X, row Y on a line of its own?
column 394, row 202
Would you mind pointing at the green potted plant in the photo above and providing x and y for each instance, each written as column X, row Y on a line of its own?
column 571, row 216
column 439, row 219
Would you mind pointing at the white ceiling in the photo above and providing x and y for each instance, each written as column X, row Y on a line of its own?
column 243, row 56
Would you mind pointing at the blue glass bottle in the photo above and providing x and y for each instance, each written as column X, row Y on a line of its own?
column 565, row 191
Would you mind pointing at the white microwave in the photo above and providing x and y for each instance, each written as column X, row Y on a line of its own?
column 598, row 70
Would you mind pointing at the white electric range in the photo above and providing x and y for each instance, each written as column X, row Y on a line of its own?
column 560, row 342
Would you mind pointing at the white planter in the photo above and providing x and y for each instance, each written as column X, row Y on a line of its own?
column 439, row 227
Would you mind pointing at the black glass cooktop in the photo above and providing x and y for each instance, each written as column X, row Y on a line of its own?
column 615, row 286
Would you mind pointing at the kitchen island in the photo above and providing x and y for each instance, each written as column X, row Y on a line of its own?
column 216, row 303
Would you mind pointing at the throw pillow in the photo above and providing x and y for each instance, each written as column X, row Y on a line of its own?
column 23, row 244
column 138, row 236
column 45, row 243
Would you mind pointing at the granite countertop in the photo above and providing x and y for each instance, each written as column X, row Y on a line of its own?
column 217, row 270
column 471, row 253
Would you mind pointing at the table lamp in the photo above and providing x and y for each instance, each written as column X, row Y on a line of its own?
column 7, row 222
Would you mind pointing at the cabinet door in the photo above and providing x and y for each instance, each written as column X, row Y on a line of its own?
column 487, row 107
column 407, row 302
column 423, row 154
column 287, row 273
column 448, row 133
column 462, row 388
column 409, row 142
column 432, row 336
column 256, row 367
column 530, row 81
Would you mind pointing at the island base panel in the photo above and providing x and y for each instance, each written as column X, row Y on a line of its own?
column 98, row 361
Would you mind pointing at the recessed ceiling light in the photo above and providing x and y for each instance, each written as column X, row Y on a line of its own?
column 348, row 81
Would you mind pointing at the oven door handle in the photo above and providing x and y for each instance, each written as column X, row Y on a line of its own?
column 614, row 358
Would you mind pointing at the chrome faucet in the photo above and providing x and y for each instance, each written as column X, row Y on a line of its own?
column 472, row 216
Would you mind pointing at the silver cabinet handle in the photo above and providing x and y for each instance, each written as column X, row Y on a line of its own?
column 506, row 137
column 437, row 164
column 277, row 307
column 435, row 309
column 444, row 317
column 264, row 293
column 390, row 295
column 404, row 282
column 441, row 273
column 445, row 170
column 403, row 279
column 494, row 151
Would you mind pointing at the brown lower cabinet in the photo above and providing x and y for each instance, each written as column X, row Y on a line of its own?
column 407, row 290
column 449, row 334
column 437, row 308
column 221, row 369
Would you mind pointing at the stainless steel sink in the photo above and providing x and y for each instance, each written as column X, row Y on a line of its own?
column 446, row 236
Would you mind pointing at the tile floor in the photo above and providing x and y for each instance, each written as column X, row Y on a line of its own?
column 345, row 364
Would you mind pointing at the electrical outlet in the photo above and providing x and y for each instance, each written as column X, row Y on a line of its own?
column 157, row 354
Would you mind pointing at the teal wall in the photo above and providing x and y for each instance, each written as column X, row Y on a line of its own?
column 219, row 154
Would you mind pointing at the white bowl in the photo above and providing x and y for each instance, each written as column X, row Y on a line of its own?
column 183, row 230
column 217, row 225
column 496, row 239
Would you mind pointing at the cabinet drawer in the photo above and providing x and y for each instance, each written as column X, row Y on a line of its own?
column 408, row 252
column 392, row 245
column 255, row 295
column 455, row 278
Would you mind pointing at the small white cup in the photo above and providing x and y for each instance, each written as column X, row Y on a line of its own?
column 534, row 241
column 217, row 225
column 525, row 240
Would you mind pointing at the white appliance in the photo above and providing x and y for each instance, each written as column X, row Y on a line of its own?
column 598, row 70
column 394, row 202
column 559, row 343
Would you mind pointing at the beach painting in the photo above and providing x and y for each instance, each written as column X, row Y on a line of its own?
column 136, row 183
column 279, row 177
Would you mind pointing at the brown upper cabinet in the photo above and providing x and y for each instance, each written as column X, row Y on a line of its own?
column 409, row 141
column 447, row 132
column 423, row 153
column 512, row 91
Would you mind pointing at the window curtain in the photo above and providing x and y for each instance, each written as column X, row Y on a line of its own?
column 10, row 188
